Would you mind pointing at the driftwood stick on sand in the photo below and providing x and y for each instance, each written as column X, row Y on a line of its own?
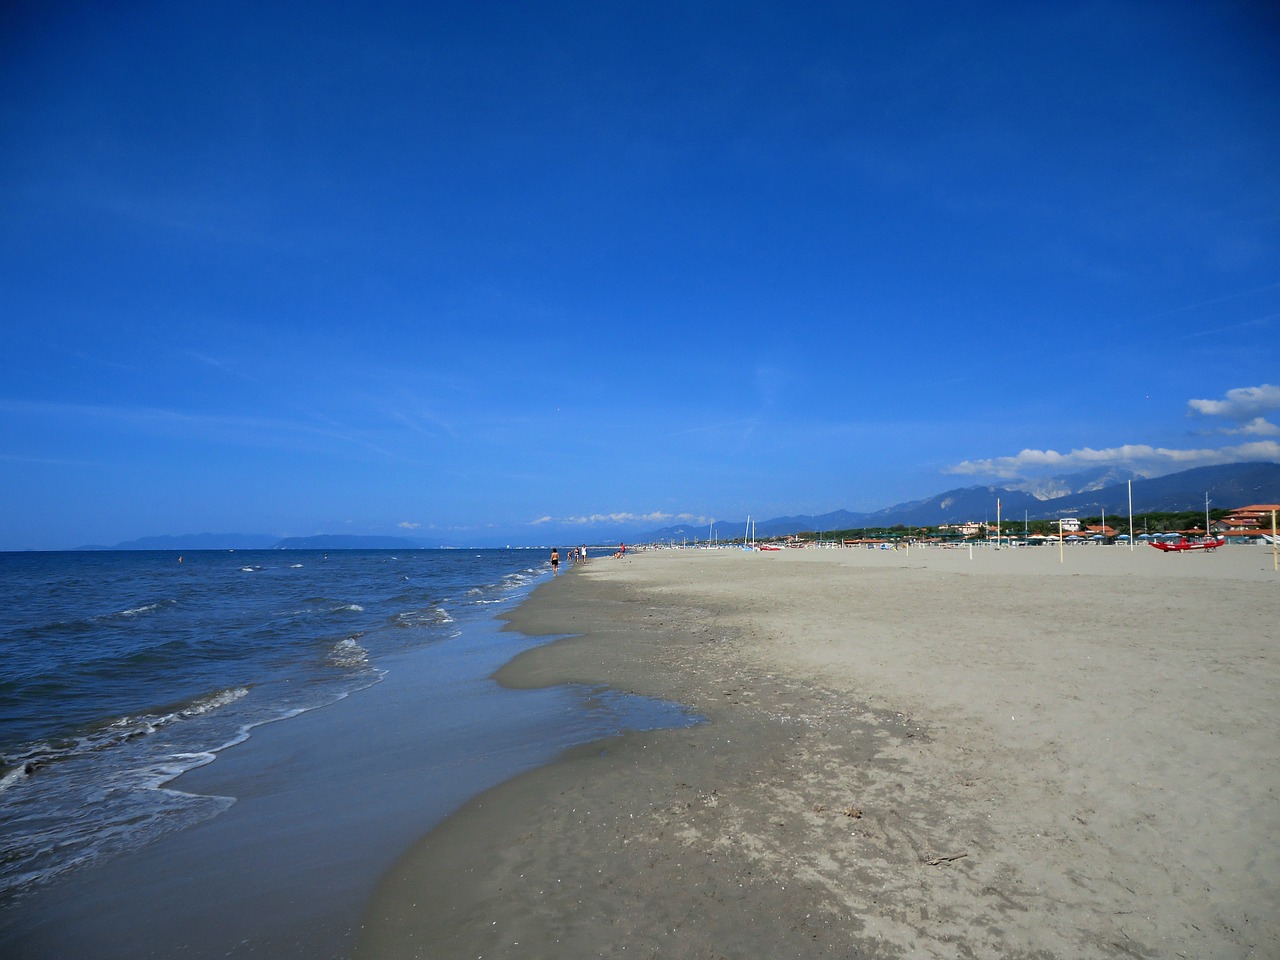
column 939, row 861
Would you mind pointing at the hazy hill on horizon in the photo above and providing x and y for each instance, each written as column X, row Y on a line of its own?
column 262, row 541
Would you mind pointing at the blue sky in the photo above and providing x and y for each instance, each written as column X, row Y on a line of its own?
column 491, row 272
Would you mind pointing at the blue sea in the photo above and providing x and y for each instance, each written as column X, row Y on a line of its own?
column 123, row 670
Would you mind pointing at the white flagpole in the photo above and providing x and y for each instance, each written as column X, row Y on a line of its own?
column 1131, row 516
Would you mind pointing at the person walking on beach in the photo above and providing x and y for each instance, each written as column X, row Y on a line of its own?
column 555, row 561
column 582, row 553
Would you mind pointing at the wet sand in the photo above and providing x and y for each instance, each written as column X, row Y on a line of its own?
column 908, row 755
column 324, row 804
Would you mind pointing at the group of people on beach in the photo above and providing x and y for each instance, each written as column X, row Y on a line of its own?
column 579, row 555
column 576, row 555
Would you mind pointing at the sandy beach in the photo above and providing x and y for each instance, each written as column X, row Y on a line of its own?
column 907, row 754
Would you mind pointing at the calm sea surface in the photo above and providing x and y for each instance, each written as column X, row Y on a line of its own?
column 121, row 670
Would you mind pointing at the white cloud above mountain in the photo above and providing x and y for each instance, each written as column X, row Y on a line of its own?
column 1240, row 404
column 1140, row 458
column 1244, row 409
column 1241, row 412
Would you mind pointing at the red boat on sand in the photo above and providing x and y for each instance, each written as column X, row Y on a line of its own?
column 1184, row 545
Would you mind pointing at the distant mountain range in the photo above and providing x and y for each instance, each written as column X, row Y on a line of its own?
column 1086, row 494
column 1082, row 494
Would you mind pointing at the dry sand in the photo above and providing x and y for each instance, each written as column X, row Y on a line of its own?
column 907, row 755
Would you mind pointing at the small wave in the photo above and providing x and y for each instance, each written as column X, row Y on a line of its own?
column 145, row 608
column 348, row 654
column 128, row 614
column 430, row 617
column 513, row 580
column 132, row 727
column 127, row 728
column 253, row 569
column 214, row 701
column 295, row 566
column 323, row 605
column 17, row 775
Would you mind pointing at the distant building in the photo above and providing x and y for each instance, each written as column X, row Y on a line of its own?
column 1256, row 515
column 970, row 529
column 1246, row 523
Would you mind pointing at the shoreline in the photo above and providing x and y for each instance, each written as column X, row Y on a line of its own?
column 324, row 803
column 906, row 755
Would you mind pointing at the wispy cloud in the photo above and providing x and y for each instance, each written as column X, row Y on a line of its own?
column 657, row 516
column 738, row 427
column 254, row 431
column 46, row 461
column 1266, row 288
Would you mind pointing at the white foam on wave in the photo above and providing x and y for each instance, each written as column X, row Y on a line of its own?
column 17, row 775
column 212, row 702
column 142, row 805
column 59, row 816
column 129, row 727
column 135, row 611
column 145, row 608
column 348, row 654
column 430, row 617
